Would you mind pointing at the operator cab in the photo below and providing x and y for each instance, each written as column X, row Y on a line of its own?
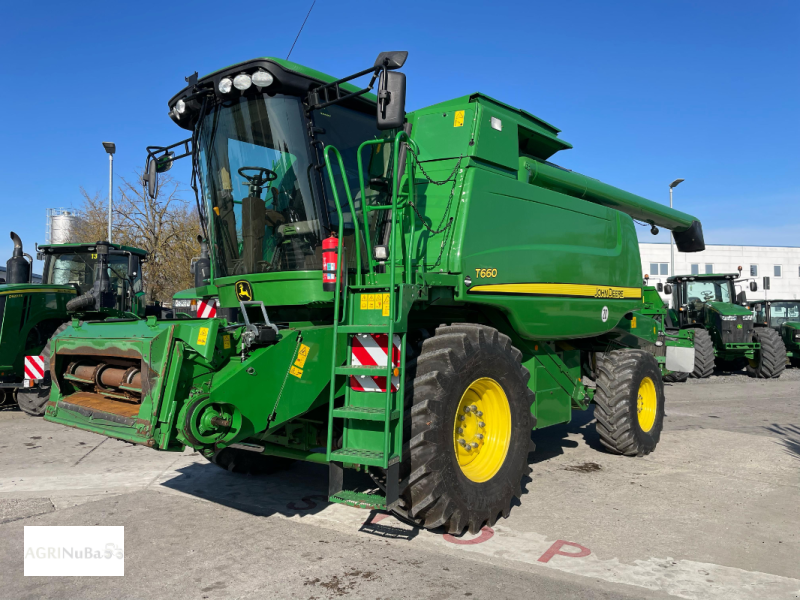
column 774, row 313
column 79, row 265
column 692, row 293
column 259, row 130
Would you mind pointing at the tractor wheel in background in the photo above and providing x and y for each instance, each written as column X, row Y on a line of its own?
column 770, row 361
column 629, row 402
column 33, row 400
column 468, row 431
column 247, row 462
column 676, row 377
column 731, row 366
column 703, row 354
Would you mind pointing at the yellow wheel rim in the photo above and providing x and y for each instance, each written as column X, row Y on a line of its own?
column 647, row 404
column 482, row 430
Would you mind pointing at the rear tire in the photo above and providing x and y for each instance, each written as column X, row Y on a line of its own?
column 703, row 354
column 33, row 400
column 448, row 486
column 676, row 377
column 770, row 361
column 629, row 402
column 246, row 462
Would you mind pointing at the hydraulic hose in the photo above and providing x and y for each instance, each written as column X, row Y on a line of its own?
column 81, row 302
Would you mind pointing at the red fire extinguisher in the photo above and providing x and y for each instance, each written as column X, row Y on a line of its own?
column 330, row 261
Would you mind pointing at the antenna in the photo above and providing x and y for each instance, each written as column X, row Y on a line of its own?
column 301, row 29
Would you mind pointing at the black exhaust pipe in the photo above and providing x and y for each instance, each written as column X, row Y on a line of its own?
column 18, row 269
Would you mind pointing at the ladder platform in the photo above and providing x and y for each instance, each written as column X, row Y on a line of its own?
column 357, row 456
column 364, row 413
column 359, row 500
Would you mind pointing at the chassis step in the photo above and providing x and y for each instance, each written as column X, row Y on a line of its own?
column 359, row 500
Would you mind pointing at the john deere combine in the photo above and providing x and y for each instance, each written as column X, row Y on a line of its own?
column 725, row 333
column 784, row 317
column 417, row 292
column 80, row 281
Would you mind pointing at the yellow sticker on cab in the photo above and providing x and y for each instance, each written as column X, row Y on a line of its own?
column 458, row 121
column 296, row 372
column 202, row 336
column 226, row 342
column 386, row 305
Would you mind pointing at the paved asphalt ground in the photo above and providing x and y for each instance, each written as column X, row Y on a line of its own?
column 714, row 512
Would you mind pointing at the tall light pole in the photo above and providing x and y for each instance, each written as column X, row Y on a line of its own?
column 111, row 147
column 674, row 184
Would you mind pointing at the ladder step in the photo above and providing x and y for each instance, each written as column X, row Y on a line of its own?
column 362, row 370
column 359, row 500
column 361, row 457
column 364, row 413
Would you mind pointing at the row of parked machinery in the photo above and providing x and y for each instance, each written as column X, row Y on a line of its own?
column 403, row 294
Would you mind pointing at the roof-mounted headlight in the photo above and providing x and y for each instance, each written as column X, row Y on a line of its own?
column 242, row 82
column 180, row 107
column 263, row 78
column 225, row 86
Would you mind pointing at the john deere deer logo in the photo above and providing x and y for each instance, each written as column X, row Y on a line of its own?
column 243, row 291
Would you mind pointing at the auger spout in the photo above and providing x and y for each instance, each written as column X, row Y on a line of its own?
column 687, row 230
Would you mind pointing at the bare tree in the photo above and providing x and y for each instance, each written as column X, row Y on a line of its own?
column 166, row 227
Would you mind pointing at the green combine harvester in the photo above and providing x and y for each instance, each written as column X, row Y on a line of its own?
column 784, row 317
column 416, row 292
column 725, row 333
column 80, row 281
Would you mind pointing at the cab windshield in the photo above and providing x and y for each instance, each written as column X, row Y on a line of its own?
column 279, row 229
column 782, row 312
column 81, row 269
column 700, row 292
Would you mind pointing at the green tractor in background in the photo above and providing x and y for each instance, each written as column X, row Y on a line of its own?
column 409, row 296
column 80, row 281
column 725, row 333
column 784, row 317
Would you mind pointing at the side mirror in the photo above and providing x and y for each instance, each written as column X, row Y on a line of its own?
column 753, row 286
column 133, row 266
column 741, row 297
column 391, row 100
column 164, row 163
column 150, row 178
column 660, row 287
column 668, row 289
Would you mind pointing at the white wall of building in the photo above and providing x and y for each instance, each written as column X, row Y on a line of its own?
column 727, row 259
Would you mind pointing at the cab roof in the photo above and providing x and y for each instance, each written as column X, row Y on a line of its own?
column 702, row 277
column 56, row 248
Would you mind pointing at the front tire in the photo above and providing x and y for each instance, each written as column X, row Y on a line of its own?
column 629, row 402
column 246, row 462
column 703, row 354
column 770, row 361
column 470, row 390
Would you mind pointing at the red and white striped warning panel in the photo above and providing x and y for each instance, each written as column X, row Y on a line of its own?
column 34, row 367
column 207, row 310
column 372, row 350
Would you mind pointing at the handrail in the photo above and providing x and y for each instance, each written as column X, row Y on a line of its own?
column 349, row 203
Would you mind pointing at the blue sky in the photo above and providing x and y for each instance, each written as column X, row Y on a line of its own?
column 645, row 91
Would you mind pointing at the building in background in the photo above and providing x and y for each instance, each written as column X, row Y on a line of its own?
column 61, row 223
column 780, row 263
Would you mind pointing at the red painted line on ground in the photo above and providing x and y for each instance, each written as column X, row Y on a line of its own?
column 485, row 535
column 555, row 549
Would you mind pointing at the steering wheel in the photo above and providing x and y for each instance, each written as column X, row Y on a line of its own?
column 260, row 177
